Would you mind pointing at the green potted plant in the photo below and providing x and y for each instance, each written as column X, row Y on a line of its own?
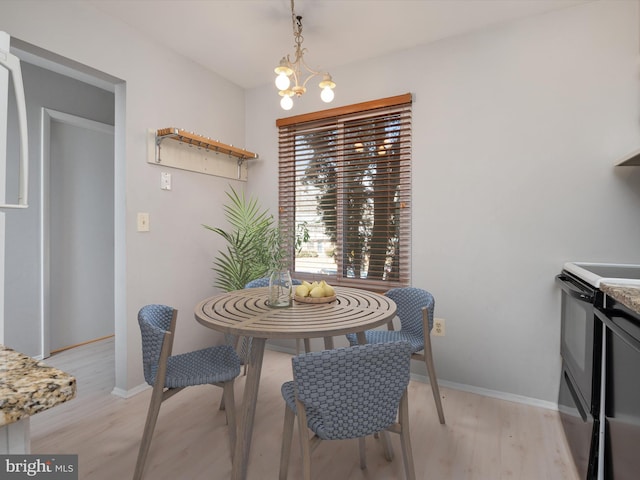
column 254, row 247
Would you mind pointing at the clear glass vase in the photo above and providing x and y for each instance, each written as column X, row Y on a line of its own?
column 280, row 289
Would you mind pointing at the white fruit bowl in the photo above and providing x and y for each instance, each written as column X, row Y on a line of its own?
column 314, row 300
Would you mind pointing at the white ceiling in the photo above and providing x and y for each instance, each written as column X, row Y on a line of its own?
column 243, row 40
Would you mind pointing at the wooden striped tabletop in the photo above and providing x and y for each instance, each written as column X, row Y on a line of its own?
column 246, row 312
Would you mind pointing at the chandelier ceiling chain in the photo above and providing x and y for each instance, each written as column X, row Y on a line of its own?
column 289, row 71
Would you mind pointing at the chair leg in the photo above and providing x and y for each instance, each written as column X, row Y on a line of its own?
column 307, row 345
column 222, row 404
column 287, row 436
column 230, row 410
column 386, row 445
column 405, row 438
column 149, row 427
column 234, row 341
column 243, row 347
column 363, row 452
column 433, row 379
column 305, row 446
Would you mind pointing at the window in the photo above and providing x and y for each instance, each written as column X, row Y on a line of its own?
column 345, row 193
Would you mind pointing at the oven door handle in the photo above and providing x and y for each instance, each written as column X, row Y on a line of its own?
column 574, row 394
column 573, row 291
column 605, row 314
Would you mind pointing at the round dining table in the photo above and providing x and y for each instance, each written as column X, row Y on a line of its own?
column 247, row 313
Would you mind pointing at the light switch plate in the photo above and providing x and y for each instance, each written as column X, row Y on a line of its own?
column 143, row 222
column 165, row 181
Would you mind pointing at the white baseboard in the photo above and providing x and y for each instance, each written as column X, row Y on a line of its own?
column 511, row 397
column 119, row 392
column 485, row 392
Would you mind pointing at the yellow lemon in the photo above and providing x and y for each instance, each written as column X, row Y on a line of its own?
column 317, row 292
column 302, row 291
column 306, row 284
column 328, row 290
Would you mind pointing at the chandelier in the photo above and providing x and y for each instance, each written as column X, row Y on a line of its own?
column 293, row 71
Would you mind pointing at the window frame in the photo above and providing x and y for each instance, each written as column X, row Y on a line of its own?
column 288, row 128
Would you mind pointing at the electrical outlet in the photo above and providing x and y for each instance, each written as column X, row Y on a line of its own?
column 438, row 329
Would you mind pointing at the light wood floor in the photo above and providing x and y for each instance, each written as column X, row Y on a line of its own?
column 484, row 438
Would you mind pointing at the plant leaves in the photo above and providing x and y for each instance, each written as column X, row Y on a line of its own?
column 253, row 245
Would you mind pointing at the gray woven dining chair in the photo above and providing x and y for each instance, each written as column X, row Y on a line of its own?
column 348, row 393
column 169, row 374
column 415, row 311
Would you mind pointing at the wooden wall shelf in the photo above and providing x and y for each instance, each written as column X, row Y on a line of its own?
column 209, row 156
column 632, row 159
column 202, row 142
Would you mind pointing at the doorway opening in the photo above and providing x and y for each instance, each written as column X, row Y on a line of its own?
column 77, row 230
column 62, row 123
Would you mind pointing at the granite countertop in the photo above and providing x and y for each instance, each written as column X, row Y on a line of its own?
column 625, row 294
column 28, row 386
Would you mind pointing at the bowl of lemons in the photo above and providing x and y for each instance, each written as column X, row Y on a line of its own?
column 316, row 292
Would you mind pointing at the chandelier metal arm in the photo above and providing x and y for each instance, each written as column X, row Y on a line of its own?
column 294, row 69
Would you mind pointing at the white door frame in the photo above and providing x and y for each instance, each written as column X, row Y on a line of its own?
column 47, row 117
column 4, row 98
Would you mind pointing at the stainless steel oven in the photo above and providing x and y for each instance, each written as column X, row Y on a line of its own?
column 581, row 352
column 580, row 338
column 581, row 397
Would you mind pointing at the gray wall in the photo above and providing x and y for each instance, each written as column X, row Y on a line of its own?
column 154, row 88
column 517, row 129
column 43, row 88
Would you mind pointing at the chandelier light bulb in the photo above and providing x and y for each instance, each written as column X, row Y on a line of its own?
column 282, row 81
column 327, row 95
column 286, row 102
column 327, row 85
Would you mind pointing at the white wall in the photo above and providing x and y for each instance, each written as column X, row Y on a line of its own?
column 170, row 264
column 516, row 131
